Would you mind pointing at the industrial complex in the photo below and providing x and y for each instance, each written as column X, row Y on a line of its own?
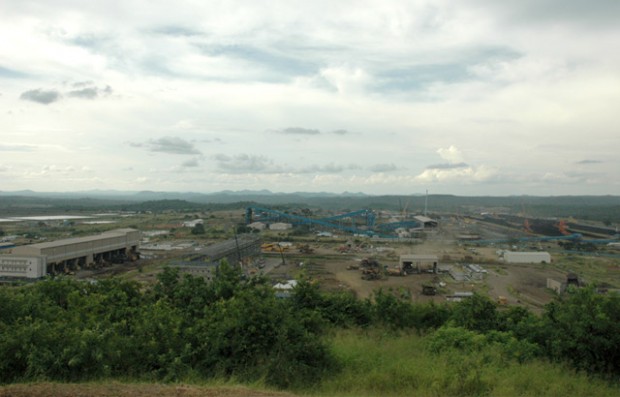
column 438, row 256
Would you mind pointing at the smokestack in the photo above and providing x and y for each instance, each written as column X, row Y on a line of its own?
column 426, row 203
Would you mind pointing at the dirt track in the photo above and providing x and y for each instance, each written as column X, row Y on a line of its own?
column 114, row 389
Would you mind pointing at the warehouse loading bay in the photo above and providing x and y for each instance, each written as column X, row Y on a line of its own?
column 435, row 257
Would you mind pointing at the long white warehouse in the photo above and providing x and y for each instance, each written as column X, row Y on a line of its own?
column 36, row 260
column 526, row 257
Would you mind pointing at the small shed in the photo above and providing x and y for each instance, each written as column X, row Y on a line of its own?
column 417, row 263
column 557, row 286
column 426, row 221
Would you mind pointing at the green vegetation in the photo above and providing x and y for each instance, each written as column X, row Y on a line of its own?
column 378, row 364
column 182, row 327
column 198, row 229
column 234, row 328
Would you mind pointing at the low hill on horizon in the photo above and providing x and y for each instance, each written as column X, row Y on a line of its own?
column 598, row 208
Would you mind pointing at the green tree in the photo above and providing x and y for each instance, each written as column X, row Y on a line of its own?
column 242, row 228
column 477, row 313
column 198, row 229
column 392, row 309
column 583, row 327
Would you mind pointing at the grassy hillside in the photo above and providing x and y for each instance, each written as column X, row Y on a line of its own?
column 376, row 363
column 379, row 364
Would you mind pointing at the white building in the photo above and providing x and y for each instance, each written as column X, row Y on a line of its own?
column 526, row 257
column 280, row 226
column 193, row 223
column 416, row 263
column 257, row 226
column 35, row 260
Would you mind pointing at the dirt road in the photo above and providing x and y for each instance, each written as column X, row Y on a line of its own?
column 115, row 389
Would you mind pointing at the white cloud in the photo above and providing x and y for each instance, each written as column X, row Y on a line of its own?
column 245, row 163
column 330, row 168
column 172, row 145
column 38, row 95
column 458, row 175
column 508, row 92
column 190, row 163
column 383, row 168
column 451, row 154
column 346, row 80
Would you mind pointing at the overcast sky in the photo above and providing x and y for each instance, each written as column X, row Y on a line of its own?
column 469, row 97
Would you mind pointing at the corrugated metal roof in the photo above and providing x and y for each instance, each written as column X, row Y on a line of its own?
column 78, row 240
column 424, row 219
column 222, row 248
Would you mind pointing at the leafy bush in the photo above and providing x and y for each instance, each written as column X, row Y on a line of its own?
column 235, row 327
column 68, row 330
column 583, row 327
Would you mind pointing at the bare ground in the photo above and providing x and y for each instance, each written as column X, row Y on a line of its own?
column 115, row 389
column 523, row 285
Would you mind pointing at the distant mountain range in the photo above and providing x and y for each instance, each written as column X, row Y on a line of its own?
column 602, row 208
column 225, row 196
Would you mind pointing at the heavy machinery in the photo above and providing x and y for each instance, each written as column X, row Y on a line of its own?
column 429, row 290
column 274, row 247
column 397, row 272
column 305, row 249
column 371, row 269
column 372, row 274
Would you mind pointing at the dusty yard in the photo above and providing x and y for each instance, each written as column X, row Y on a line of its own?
column 523, row 285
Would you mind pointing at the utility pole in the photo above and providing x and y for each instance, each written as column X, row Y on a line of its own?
column 237, row 246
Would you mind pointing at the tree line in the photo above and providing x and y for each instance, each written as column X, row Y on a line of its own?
column 234, row 326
